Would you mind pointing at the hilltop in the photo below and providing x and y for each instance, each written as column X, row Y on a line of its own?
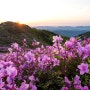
column 15, row 32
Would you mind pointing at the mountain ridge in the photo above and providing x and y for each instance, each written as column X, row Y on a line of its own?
column 69, row 31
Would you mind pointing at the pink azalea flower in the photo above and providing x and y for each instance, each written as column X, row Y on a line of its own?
column 56, row 62
column 15, row 46
column 87, row 47
column 85, row 88
column 83, row 68
column 11, row 71
column 31, row 78
column 24, row 86
column 30, row 57
column 35, row 43
column 57, row 39
column 69, row 44
column 67, row 81
column 33, row 87
column 72, row 39
column 77, row 82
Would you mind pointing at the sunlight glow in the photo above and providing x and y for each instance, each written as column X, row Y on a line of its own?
column 51, row 12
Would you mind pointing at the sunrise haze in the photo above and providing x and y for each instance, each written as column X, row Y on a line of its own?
column 46, row 12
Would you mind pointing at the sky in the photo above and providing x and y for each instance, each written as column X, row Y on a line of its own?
column 46, row 12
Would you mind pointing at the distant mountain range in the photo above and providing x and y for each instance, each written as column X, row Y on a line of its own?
column 66, row 30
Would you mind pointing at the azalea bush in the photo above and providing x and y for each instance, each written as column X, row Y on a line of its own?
column 57, row 67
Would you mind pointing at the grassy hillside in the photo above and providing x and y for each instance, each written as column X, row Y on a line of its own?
column 14, row 32
column 87, row 34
